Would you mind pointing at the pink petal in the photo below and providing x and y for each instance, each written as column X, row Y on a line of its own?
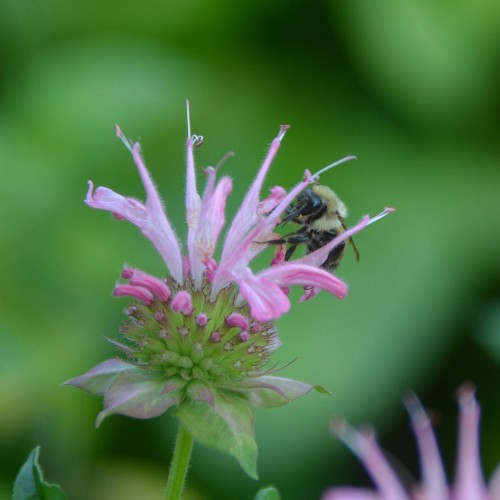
column 266, row 300
column 193, row 206
column 158, row 228
column 364, row 445
column 469, row 481
column 247, row 215
column 291, row 273
column 212, row 220
column 149, row 218
column 434, row 484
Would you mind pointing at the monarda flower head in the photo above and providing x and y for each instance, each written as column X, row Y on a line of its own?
column 469, row 483
column 199, row 338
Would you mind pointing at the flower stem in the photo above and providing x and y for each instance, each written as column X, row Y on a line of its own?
column 179, row 466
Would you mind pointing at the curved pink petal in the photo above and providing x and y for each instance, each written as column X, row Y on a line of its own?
column 266, row 300
column 364, row 445
column 434, row 484
column 288, row 274
column 120, row 206
column 149, row 218
column 158, row 228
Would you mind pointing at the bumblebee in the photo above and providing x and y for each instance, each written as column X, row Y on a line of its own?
column 320, row 213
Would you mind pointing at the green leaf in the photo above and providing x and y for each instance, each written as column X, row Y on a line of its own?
column 268, row 493
column 30, row 484
column 227, row 426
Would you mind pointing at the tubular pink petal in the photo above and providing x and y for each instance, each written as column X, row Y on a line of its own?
column 193, row 207
column 156, row 226
column 266, row 300
column 90, row 190
column 292, row 273
column 138, row 292
column 120, row 206
column 154, row 285
column 469, row 481
column 434, row 486
column 149, row 218
column 247, row 215
column 151, row 283
column 364, row 445
column 212, row 219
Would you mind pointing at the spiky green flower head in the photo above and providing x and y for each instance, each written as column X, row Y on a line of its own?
column 199, row 339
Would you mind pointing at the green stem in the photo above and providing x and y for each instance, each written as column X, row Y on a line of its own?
column 179, row 466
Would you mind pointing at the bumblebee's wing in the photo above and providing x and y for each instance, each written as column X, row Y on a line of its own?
column 351, row 241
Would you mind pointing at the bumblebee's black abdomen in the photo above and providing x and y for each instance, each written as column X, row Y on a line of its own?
column 318, row 239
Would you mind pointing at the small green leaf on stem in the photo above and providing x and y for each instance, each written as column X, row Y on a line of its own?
column 31, row 485
column 268, row 493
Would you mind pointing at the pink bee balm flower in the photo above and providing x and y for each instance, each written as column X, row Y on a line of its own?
column 469, row 483
column 199, row 338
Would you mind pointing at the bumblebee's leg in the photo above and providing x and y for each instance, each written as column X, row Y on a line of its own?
column 290, row 251
column 294, row 241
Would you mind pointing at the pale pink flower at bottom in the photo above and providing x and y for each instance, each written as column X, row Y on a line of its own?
column 469, row 483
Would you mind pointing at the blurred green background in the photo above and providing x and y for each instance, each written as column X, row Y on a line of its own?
column 409, row 87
